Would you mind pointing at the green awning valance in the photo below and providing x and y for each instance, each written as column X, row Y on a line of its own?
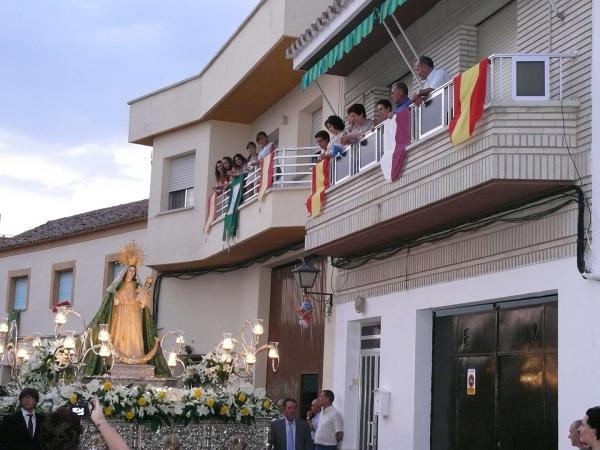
column 354, row 38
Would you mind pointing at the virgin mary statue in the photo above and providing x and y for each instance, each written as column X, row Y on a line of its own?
column 125, row 309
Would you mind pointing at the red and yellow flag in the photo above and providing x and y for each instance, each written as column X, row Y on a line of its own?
column 266, row 174
column 211, row 211
column 469, row 97
column 320, row 182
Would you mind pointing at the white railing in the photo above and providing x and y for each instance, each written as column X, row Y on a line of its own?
column 359, row 156
column 511, row 76
column 292, row 168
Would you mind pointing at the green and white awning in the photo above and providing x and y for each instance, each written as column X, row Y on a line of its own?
column 350, row 41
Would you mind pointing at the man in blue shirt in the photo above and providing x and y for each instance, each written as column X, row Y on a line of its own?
column 400, row 97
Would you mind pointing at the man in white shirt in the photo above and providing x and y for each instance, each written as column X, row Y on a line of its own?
column 433, row 78
column 330, row 431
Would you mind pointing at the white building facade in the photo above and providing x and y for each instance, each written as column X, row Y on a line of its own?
column 458, row 290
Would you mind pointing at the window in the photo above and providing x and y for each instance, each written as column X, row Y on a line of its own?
column 530, row 78
column 63, row 277
column 181, row 182
column 18, row 290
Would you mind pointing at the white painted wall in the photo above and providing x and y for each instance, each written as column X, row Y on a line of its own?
column 406, row 347
column 209, row 305
column 88, row 288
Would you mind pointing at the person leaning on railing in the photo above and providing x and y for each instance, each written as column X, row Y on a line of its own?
column 252, row 156
column 359, row 124
column 220, row 177
column 433, row 78
column 383, row 111
column 239, row 165
column 335, row 126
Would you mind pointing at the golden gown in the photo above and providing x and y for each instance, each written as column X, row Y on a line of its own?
column 126, row 321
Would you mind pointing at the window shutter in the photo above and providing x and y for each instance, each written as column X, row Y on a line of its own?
column 181, row 174
column 317, row 124
column 20, row 294
column 65, row 287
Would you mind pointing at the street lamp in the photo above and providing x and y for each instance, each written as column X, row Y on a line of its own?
column 305, row 275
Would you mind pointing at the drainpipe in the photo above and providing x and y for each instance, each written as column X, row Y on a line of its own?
column 594, row 262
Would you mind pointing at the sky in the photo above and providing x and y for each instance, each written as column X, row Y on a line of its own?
column 67, row 70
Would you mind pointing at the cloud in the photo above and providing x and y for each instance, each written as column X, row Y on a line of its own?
column 57, row 181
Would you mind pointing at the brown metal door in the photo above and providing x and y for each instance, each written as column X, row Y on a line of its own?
column 301, row 349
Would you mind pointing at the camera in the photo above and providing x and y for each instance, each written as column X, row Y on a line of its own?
column 82, row 407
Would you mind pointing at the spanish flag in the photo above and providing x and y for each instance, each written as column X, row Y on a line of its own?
column 469, row 97
column 266, row 174
column 320, row 182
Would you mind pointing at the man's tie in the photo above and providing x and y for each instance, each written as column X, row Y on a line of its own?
column 291, row 445
column 30, row 425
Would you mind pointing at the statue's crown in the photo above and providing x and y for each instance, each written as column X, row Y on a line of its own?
column 131, row 254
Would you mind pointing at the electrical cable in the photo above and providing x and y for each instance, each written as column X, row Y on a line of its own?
column 572, row 194
column 191, row 274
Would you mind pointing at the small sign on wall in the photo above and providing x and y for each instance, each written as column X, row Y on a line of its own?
column 471, row 381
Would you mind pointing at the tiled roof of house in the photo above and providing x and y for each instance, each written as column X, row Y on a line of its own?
column 80, row 224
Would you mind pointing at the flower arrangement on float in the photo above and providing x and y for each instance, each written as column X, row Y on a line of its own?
column 208, row 394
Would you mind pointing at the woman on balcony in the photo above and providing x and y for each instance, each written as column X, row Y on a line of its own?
column 335, row 126
column 220, row 177
column 239, row 165
column 227, row 166
column 359, row 124
column 252, row 156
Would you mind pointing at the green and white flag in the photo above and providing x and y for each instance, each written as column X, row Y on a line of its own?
column 236, row 192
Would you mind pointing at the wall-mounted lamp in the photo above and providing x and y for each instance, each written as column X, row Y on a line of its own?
column 305, row 275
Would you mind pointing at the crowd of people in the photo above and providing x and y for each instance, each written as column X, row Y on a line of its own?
column 337, row 135
column 229, row 167
column 332, row 142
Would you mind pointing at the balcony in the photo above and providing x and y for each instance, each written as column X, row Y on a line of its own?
column 271, row 223
column 517, row 153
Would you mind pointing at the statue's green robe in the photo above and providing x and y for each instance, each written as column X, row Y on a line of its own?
column 94, row 364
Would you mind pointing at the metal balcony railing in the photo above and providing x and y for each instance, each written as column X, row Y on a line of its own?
column 292, row 168
column 516, row 77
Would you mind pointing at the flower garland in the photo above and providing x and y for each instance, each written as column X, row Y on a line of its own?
column 204, row 397
column 210, row 372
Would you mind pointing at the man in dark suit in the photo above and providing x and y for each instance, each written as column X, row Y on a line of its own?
column 21, row 430
column 290, row 433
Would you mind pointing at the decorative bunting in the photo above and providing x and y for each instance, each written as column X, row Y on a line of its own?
column 320, row 183
column 211, row 211
column 469, row 97
column 266, row 174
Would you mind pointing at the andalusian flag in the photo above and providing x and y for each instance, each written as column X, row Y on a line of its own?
column 211, row 211
column 266, row 174
column 236, row 193
column 469, row 97
column 320, row 182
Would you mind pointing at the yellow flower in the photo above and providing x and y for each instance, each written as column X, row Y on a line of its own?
column 242, row 397
column 107, row 386
column 162, row 395
column 73, row 399
column 107, row 410
column 244, row 411
column 267, row 404
column 129, row 415
column 141, row 401
column 210, row 402
column 197, row 392
column 224, row 410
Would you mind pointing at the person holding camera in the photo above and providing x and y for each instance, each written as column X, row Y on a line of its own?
column 62, row 428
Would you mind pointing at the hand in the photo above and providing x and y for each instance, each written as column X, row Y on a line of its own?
column 97, row 415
